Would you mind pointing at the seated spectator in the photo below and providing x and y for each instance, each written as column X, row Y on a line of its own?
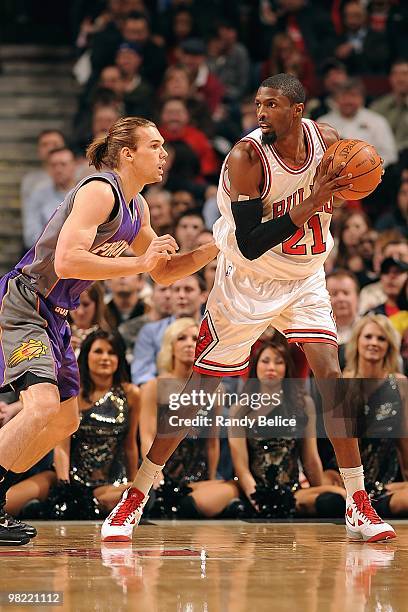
column 111, row 78
column 394, row 106
column 397, row 30
column 102, row 456
column 207, row 86
column 136, row 31
column 249, row 119
column 181, row 27
column 177, row 84
column 188, row 227
column 394, row 274
column 106, row 40
column 47, row 141
column 175, row 126
column 111, row 95
column 397, row 217
column 137, row 93
column 231, row 65
column 204, row 237
column 389, row 244
column 103, row 117
column 362, row 49
column 187, row 297
column 352, row 120
column 296, row 18
column 333, row 74
column 44, row 200
column 181, row 202
column 366, row 252
column 208, row 273
column 267, row 462
column 354, row 226
column 161, row 210
column 399, row 321
column 286, row 57
column 194, row 462
column 160, row 307
column 89, row 316
column 125, row 302
column 380, row 401
column 343, row 289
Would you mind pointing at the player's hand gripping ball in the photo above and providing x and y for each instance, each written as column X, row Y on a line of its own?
column 362, row 161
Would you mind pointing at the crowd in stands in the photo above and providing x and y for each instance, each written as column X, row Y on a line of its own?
column 193, row 67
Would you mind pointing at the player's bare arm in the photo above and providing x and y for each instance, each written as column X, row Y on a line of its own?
column 92, row 207
column 167, row 270
column 330, row 135
column 254, row 238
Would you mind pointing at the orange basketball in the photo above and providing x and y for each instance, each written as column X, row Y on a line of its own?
column 362, row 161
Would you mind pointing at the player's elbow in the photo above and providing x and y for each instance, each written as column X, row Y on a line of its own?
column 162, row 279
column 246, row 249
column 62, row 265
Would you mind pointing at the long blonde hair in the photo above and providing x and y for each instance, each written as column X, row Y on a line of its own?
column 105, row 150
column 165, row 358
column 391, row 359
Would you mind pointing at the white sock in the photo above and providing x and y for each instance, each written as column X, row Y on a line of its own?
column 353, row 479
column 146, row 475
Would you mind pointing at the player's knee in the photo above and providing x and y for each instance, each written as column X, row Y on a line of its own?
column 66, row 423
column 330, row 371
column 43, row 408
column 44, row 411
column 72, row 424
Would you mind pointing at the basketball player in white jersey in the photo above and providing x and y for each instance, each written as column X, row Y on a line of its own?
column 275, row 199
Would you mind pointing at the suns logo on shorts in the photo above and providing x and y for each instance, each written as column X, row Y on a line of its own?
column 27, row 351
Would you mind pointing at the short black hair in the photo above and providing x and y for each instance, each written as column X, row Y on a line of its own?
column 50, row 131
column 137, row 15
column 59, row 150
column 399, row 61
column 289, row 85
column 117, row 343
column 192, row 212
column 201, row 281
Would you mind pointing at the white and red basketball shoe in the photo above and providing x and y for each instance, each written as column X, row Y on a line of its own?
column 118, row 526
column 363, row 522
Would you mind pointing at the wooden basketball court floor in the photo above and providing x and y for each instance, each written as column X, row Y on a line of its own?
column 208, row 566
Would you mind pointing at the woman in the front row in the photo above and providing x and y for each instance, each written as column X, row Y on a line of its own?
column 380, row 395
column 188, row 487
column 102, row 456
column 266, row 459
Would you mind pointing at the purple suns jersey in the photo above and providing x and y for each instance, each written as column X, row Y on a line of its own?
column 111, row 240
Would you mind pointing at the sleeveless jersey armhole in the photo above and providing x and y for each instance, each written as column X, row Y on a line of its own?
column 116, row 205
column 267, row 182
column 139, row 207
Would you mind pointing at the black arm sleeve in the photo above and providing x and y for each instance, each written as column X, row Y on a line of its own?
column 254, row 238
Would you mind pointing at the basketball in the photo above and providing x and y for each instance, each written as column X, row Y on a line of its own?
column 362, row 161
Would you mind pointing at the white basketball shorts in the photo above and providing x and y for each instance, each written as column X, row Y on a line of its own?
column 240, row 307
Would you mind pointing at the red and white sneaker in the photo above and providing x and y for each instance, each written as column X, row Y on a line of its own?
column 363, row 522
column 118, row 526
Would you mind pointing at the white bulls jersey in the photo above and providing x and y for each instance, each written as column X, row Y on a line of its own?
column 284, row 188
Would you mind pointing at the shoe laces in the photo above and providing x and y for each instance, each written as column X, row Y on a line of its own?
column 12, row 519
column 127, row 508
column 364, row 506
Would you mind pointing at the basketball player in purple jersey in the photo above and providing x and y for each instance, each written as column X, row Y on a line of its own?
column 99, row 219
column 275, row 198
